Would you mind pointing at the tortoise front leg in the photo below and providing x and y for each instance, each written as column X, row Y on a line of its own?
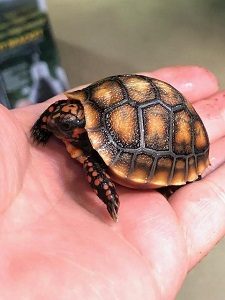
column 39, row 131
column 102, row 185
column 98, row 179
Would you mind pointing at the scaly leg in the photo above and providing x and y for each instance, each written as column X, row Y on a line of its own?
column 98, row 179
column 39, row 131
column 102, row 185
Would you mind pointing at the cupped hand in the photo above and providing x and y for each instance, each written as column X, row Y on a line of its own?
column 56, row 238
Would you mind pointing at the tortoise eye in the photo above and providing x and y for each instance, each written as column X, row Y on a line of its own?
column 66, row 126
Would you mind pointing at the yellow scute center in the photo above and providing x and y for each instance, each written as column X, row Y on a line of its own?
column 123, row 121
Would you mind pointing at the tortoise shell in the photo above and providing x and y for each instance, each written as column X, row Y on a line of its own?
column 146, row 132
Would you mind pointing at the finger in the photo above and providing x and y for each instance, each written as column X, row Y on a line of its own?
column 14, row 158
column 193, row 81
column 147, row 221
column 200, row 208
column 212, row 112
column 216, row 156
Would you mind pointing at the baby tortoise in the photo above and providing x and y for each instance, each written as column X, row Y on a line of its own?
column 137, row 131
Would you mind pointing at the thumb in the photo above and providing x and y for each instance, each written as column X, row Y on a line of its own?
column 13, row 157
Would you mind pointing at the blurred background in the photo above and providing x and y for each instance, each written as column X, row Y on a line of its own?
column 103, row 37
column 99, row 38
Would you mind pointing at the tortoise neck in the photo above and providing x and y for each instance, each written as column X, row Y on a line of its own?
column 83, row 142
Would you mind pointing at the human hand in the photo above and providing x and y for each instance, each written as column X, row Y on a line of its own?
column 57, row 240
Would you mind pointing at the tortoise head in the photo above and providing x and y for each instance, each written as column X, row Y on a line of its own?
column 65, row 119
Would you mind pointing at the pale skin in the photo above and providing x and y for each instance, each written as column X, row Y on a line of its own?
column 56, row 238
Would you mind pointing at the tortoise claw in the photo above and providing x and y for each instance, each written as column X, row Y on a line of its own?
column 113, row 207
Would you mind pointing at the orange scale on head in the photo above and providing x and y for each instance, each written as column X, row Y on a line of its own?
column 94, row 174
column 74, row 110
column 66, row 108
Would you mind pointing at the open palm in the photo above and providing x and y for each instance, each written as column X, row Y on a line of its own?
column 56, row 238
